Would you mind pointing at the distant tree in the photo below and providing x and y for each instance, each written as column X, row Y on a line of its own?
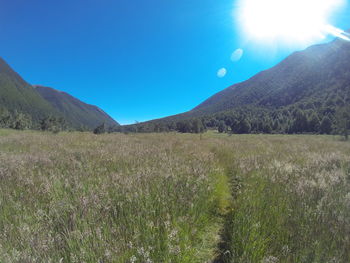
column 212, row 122
column 300, row 123
column 244, row 127
column 314, row 123
column 222, row 127
column 172, row 126
column 266, row 128
column 100, row 129
column 326, row 125
column 160, row 127
column 53, row 124
column 20, row 121
column 290, row 127
column 197, row 126
column 180, row 126
column 5, row 118
column 276, row 125
column 234, row 125
column 83, row 128
column 60, row 124
column 230, row 121
column 259, row 125
column 129, row 128
column 45, row 124
column 343, row 121
column 184, row 126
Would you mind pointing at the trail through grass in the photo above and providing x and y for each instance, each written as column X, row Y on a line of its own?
column 77, row 197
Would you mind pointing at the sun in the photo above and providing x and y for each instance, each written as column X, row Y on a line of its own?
column 287, row 21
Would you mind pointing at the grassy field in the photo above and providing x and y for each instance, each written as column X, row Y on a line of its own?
column 78, row 197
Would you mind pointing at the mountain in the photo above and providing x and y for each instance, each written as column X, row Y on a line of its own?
column 17, row 95
column 20, row 101
column 319, row 73
column 75, row 111
column 316, row 73
column 306, row 89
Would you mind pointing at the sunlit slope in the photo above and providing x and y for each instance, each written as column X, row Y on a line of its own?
column 17, row 94
column 315, row 78
column 75, row 111
column 314, row 74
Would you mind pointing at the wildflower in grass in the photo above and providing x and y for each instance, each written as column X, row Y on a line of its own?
column 173, row 234
column 286, row 250
column 108, row 253
column 270, row 259
column 347, row 200
column 133, row 259
column 167, row 224
column 175, row 250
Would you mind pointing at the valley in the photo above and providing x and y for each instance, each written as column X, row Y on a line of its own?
column 175, row 131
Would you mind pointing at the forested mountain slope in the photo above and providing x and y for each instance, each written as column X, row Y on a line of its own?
column 24, row 106
column 318, row 72
column 306, row 92
column 75, row 111
column 17, row 95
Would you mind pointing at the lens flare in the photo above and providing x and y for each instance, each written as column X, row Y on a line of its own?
column 337, row 32
column 287, row 21
column 221, row 72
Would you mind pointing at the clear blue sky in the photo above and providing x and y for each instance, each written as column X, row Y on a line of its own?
column 136, row 59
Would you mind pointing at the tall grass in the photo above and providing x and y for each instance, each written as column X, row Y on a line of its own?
column 77, row 197
column 112, row 198
column 293, row 200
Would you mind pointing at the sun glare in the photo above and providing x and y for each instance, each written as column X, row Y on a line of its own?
column 287, row 21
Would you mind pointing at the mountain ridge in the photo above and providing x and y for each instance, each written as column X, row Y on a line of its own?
column 18, row 95
column 38, row 103
column 75, row 110
column 307, row 59
column 315, row 81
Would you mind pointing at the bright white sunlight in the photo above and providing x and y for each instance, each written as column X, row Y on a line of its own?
column 288, row 21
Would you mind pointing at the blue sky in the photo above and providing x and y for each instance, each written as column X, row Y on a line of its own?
column 136, row 59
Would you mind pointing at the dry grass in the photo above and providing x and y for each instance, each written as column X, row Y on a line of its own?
column 77, row 197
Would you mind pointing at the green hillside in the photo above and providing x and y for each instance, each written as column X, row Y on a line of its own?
column 24, row 106
column 319, row 72
column 17, row 95
column 75, row 111
column 307, row 88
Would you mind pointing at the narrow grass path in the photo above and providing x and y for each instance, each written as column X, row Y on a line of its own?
column 173, row 198
column 289, row 199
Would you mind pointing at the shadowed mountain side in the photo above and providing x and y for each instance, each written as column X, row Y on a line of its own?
column 75, row 111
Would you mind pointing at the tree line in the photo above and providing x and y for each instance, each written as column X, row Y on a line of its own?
column 250, row 120
column 21, row 121
column 246, row 120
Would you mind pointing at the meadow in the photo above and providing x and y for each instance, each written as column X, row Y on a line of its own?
column 161, row 198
